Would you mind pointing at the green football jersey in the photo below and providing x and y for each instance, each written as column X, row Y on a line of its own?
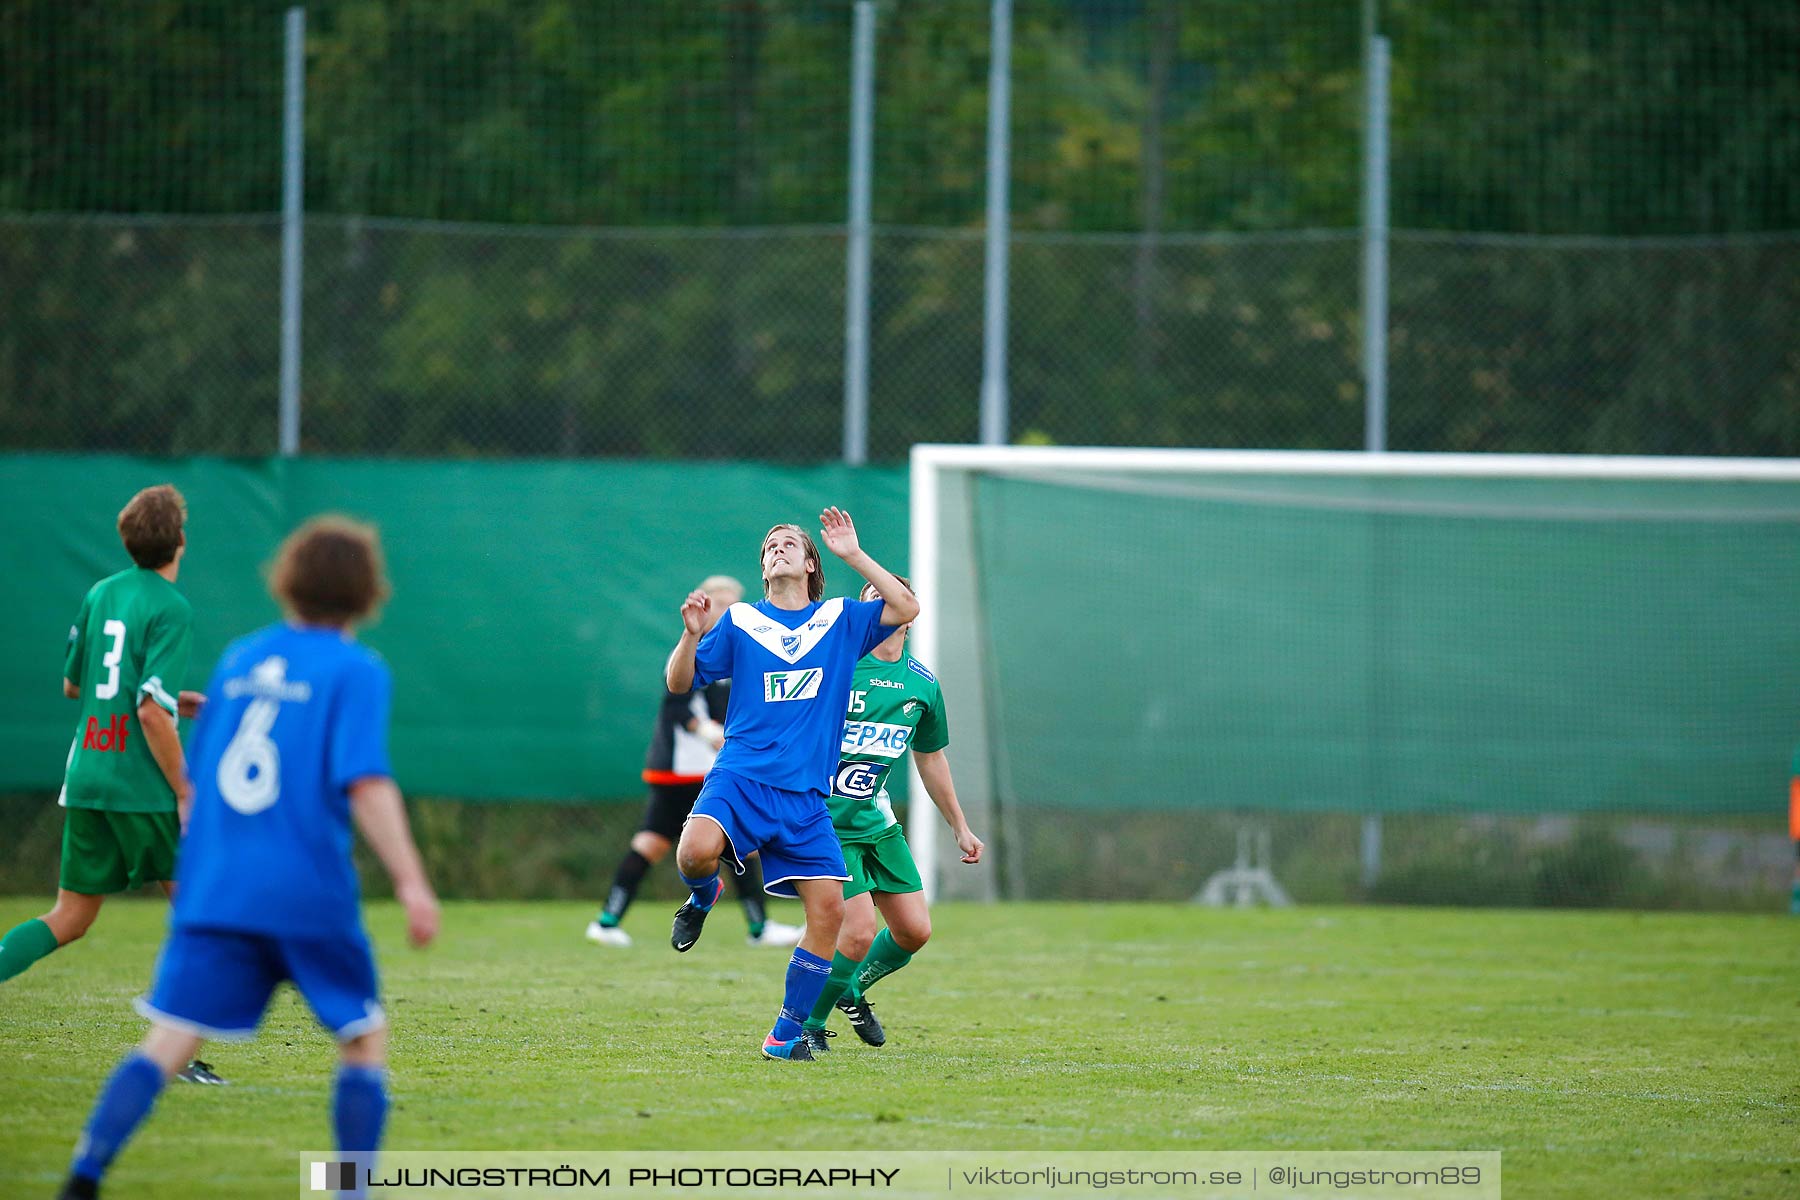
column 894, row 707
column 130, row 641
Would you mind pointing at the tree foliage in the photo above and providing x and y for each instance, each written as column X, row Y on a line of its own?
column 648, row 259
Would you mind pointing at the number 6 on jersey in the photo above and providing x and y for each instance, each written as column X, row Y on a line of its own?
column 250, row 767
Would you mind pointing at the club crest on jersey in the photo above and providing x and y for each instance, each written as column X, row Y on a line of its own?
column 791, row 685
column 907, row 708
column 859, row 780
column 789, row 641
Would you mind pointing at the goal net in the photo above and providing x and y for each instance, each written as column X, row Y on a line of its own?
column 1435, row 678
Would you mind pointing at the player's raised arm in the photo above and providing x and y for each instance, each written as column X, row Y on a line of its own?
column 679, row 673
column 375, row 803
column 839, row 535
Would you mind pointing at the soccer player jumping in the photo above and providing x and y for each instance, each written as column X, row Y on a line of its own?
column 290, row 748
column 689, row 733
column 790, row 658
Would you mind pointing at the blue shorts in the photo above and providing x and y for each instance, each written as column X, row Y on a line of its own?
column 791, row 829
column 216, row 982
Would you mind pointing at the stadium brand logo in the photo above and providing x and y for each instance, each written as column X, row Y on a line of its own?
column 791, row 685
column 268, row 681
column 875, row 737
column 887, row 683
column 859, row 780
column 334, row 1177
column 109, row 739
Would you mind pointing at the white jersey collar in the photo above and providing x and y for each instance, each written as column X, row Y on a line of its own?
column 791, row 645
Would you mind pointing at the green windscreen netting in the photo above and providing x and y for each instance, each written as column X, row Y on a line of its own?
column 1171, row 649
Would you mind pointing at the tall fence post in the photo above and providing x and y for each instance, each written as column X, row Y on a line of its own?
column 993, row 347
column 1376, row 66
column 856, row 269
column 1375, row 245
column 293, row 149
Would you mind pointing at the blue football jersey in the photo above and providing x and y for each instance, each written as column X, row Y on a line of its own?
column 293, row 717
column 790, row 672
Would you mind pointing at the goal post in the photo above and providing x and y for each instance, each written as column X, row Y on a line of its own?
column 1133, row 639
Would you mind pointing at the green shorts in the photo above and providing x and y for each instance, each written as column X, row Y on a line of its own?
column 105, row 852
column 883, row 865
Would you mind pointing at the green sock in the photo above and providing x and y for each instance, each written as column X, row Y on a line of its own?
column 885, row 957
column 24, row 945
column 843, row 970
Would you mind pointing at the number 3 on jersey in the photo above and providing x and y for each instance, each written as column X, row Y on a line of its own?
column 107, row 688
column 250, row 768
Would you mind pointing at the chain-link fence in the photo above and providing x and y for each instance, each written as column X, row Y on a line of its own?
column 149, row 335
column 1596, row 345
column 152, row 335
column 648, row 252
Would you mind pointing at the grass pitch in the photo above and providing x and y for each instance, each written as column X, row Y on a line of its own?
column 1603, row 1053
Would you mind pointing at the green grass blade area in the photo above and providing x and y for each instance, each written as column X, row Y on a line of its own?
column 1603, row 1053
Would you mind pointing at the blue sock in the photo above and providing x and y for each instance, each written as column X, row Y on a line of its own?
column 806, row 976
column 705, row 889
column 124, row 1102
column 358, row 1112
column 359, row 1107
